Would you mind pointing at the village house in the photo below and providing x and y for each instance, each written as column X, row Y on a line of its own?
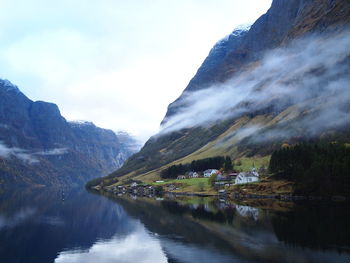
column 233, row 174
column 222, row 177
column 181, row 177
column 141, row 190
column 193, row 175
column 120, row 189
column 210, row 172
column 133, row 191
column 150, row 190
column 134, row 184
column 247, row 177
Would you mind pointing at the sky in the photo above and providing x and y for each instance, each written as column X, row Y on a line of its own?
column 113, row 62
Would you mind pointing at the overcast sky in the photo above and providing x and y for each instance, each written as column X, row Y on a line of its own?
column 114, row 62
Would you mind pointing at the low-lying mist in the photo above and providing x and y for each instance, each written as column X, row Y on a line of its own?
column 311, row 74
column 26, row 156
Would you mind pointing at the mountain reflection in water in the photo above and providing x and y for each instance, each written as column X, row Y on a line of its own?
column 39, row 226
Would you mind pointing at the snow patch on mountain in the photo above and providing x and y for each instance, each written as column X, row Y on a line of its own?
column 238, row 32
column 8, row 86
column 81, row 123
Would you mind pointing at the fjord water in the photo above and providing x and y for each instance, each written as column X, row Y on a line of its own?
column 46, row 225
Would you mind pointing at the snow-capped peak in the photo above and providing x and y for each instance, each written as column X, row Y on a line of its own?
column 8, row 86
column 239, row 30
column 243, row 27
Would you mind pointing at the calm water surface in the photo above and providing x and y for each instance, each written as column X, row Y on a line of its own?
column 44, row 225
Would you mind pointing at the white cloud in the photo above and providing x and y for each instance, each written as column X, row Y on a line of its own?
column 23, row 155
column 27, row 156
column 55, row 151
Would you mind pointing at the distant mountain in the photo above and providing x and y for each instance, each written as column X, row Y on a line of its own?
column 283, row 80
column 39, row 147
column 128, row 142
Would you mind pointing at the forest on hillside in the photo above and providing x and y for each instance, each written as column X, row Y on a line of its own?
column 315, row 168
column 216, row 162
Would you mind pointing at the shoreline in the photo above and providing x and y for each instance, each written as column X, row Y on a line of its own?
column 239, row 196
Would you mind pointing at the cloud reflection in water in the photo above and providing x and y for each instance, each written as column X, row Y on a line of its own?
column 139, row 246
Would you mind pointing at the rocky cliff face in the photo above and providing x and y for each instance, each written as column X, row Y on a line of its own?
column 281, row 77
column 38, row 146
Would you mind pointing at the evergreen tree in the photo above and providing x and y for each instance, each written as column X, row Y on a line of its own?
column 228, row 163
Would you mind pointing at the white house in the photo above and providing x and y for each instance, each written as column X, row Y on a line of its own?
column 222, row 177
column 247, row 177
column 209, row 172
column 193, row 175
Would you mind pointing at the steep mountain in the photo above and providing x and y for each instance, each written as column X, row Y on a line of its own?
column 38, row 146
column 283, row 80
column 205, row 75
